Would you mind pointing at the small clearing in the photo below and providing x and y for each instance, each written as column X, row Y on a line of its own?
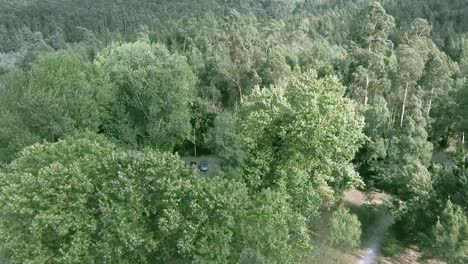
column 213, row 163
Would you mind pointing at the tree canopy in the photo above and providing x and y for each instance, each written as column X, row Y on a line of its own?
column 105, row 106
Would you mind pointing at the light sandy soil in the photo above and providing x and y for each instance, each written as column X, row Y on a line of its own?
column 358, row 198
column 411, row 256
column 332, row 256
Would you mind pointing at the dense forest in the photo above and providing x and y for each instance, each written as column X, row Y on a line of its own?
column 299, row 101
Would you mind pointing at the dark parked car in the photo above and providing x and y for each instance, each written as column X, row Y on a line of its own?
column 203, row 166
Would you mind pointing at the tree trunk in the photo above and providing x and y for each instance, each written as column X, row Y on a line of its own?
column 194, row 140
column 463, row 148
column 392, row 122
column 430, row 102
column 213, row 97
column 404, row 106
column 366, row 98
column 241, row 97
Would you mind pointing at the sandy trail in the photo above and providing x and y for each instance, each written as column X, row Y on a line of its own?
column 372, row 249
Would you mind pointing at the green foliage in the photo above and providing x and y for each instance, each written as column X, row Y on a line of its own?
column 460, row 107
column 224, row 139
column 451, row 234
column 202, row 116
column 303, row 136
column 446, row 19
column 84, row 200
column 250, row 256
column 318, row 56
column 275, row 228
column 373, row 30
column 371, row 56
column 35, row 47
column 404, row 170
column 236, row 53
column 153, row 89
column 391, row 246
column 438, row 85
column 345, row 230
column 4, row 39
column 58, row 96
column 48, row 202
column 275, row 70
column 293, row 142
column 376, row 129
column 453, row 184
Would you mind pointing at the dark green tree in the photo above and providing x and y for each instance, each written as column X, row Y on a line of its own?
column 345, row 230
column 236, row 54
column 225, row 140
column 153, row 89
column 370, row 55
column 451, row 234
column 57, row 97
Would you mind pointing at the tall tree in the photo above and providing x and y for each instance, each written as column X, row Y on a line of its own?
column 235, row 56
column 303, row 136
column 464, row 56
column 275, row 228
column 451, row 234
column 57, row 97
column 225, row 140
column 370, row 54
column 404, row 172
column 410, row 70
column 83, row 199
column 370, row 62
column 436, row 80
column 153, row 88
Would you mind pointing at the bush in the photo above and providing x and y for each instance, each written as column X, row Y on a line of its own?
column 345, row 230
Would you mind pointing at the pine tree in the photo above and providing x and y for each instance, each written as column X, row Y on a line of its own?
column 451, row 234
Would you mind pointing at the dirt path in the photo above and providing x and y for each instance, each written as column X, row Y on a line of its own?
column 373, row 245
column 370, row 254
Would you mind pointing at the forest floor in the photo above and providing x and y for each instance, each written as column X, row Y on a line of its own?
column 443, row 157
column 213, row 162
